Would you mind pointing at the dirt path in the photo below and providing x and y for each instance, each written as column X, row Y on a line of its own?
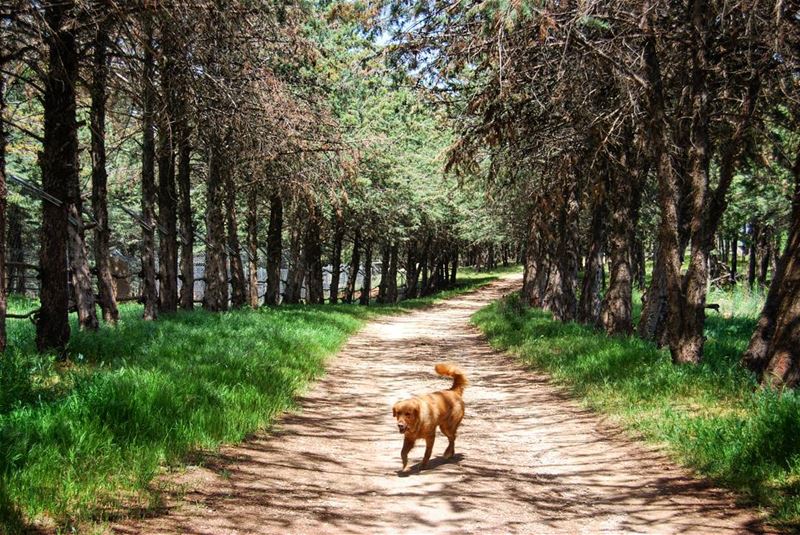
column 529, row 460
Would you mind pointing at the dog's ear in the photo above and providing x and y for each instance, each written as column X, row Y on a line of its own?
column 394, row 412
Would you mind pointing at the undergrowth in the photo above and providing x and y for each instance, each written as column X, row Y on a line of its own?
column 82, row 441
column 712, row 417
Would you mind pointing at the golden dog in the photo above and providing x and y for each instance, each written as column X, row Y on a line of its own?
column 419, row 416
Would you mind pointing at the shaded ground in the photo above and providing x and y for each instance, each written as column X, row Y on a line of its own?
column 529, row 459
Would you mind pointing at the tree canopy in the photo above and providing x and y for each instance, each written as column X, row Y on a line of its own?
column 284, row 147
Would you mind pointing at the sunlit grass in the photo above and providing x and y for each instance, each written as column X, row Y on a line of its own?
column 86, row 438
column 711, row 417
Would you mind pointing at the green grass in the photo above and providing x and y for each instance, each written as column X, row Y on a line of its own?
column 710, row 417
column 82, row 441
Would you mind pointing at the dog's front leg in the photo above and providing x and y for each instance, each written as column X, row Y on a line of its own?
column 428, row 449
column 407, row 445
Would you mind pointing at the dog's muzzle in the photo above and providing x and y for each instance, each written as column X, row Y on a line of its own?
column 401, row 427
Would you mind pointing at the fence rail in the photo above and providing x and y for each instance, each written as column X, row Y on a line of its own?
column 128, row 284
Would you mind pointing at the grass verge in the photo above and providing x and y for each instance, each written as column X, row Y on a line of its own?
column 83, row 441
column 710, row 417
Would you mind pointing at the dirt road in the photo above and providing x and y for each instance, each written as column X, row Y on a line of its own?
column 529, row 459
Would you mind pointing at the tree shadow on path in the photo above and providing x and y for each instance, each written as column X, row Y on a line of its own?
column 528, row 458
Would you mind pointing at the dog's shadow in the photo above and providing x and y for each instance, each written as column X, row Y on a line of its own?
column 432, row 464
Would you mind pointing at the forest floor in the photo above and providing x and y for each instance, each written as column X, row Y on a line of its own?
column 529, row 459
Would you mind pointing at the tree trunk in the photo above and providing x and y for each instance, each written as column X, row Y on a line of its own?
column 589, row 304
column 238, row 283
column 434, row 277
column 383, row 285
column 531, row 264
column 686, row 317
column 423, row 262
column 553, row 284
column 82, row 283
column 751, row 268
column 714, row 266
column 252, row 247
column 274, row 250
column 560, row 295
column 215, row 297
column 59, row 162
column 541, row 281
column 454, row 267
column 391, row 284
column 625, row 201
column 102, row 233
column 366, row 287
column 3, row 195
column 171, row 128
column 412, row 273
column 665, row 284
column 766, row 253
column 652, row 323
column 15, row 273
column 560, row 291
column 685, row 296
column 783, row 369
column 775, row 247
column 352, row 275
column 183, row 180
column 296, row 271
column 568, row 260
column 734, row 257
column 150, row 289
column 615, row 316
column 722, row 246
column 79, row 260
column 774, row 349
column 336, row 258
column 530, row 271
column 639, row 262
column 167, row 205
column 313, row 258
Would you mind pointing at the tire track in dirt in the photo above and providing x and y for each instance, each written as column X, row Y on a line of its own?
column 528, row 458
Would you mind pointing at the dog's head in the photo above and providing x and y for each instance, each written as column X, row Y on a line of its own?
column 407, row 414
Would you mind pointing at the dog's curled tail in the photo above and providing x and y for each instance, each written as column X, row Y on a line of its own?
column 451, row 370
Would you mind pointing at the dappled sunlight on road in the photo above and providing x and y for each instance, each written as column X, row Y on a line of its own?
column 528, row 459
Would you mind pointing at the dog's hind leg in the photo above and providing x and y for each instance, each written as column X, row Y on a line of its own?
column 451, row 447
column 407, row 445
column 428, row 449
